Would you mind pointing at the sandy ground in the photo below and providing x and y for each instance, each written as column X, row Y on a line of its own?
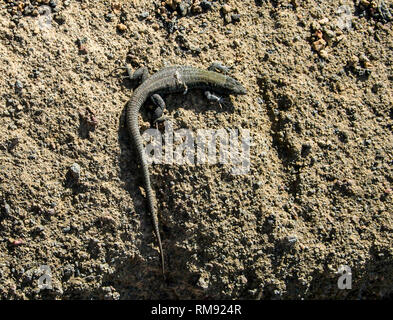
column 319, row 191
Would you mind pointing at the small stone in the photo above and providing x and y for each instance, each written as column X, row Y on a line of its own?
column 367, row 64
column 39, row 229
column 75, row 171
column 319, row 44
column 319, row 34
column 144, row 15
column 330, row 34
column 18, row 86
column 340, row 38
column 243, row 279
column 196, row 9
column 121, row 27
column 323, row 53
column 315, row 26
column 236, row 43
column 227, row 18
column 68, row 270
column 292, row 239
column 365, row 3
column 59, row 18
column 236, row 17
column 172, row 3
column 353, row 61
column 363, row 58
column 109, row 17
column 306, row 149
column 83, row 49
column 16, row 242
column 202, row 283
column 183, row 8
column 226, row 8
column 32, row 156
column 323, row 21
column 6, row 208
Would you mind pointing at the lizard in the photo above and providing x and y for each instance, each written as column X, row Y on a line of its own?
column 174, row 79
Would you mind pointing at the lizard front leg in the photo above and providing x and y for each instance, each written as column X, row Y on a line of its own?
column 212, row 97
column 219, row 67
column 139, row 74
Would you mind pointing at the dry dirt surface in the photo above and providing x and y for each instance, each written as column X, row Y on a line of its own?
column 318, row 194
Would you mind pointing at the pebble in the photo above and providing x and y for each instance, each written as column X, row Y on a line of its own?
column 59, row 18
column 109, row 17
column 353, row 61
column 323, row 21
column 121, row 27
column 67, row 229
column 202, row 283
column 18, row 86
column 226, row 8
column 363, row 58
column 144, row 15
column 319, row 44
column 196, row 8
column 75, row 171
column 324, row 54
column 68, row 270
column 306, row 149
column 227, row 18
column 172, row 3
column 7, row 208
column 236, row 43
column 243, row 279
column 292, row 239
column 39, row 229
column 28, row 275
column 315, row 26
column 32, row 155
column 236, row 17
column 16, row 242
column 183, row 8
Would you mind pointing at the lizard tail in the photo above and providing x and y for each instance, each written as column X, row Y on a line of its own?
column 152, row 201
column 161, row 253
column 157, row 232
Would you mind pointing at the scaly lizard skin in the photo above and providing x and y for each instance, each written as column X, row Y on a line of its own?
column 170, row 80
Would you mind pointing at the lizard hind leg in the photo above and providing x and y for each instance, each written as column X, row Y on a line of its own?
column 157, row 114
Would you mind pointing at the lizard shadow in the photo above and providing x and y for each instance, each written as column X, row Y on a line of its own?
column 132, row 275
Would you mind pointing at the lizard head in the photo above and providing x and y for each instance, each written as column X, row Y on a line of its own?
column 234, row 86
